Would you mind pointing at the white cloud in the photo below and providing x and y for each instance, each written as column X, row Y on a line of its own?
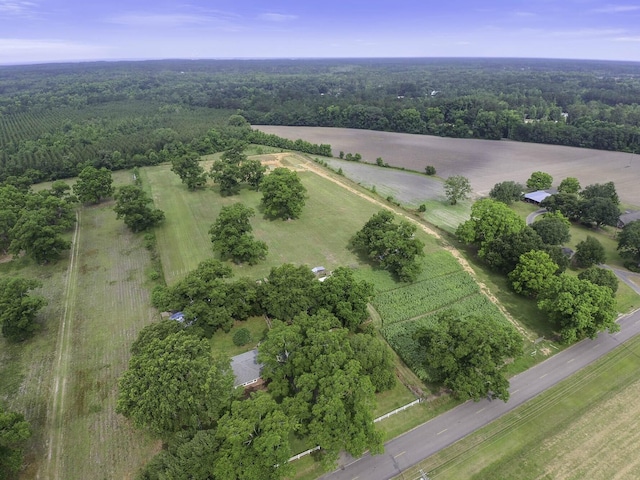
column 158, row 20
column 587, row 32
column 616, row 9
column 18, row 8
column 23, row 50
column 277, row 17
column 627, row 39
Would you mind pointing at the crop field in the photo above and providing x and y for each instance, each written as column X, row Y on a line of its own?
column 578, row 429
column 483, row 162
column 400, row 335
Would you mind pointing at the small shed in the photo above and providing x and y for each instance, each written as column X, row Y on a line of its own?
column 318, row 270
column 628, row 217
column 246, row 368
column 177, row 316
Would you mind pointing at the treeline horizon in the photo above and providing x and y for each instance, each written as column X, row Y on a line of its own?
column 56, row 117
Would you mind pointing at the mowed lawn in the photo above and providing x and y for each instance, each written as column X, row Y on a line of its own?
column 585, row 427
column 331, row 216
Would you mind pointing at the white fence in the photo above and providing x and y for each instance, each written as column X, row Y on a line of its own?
column 398, row 410
column 304, row 454
column 386, row 415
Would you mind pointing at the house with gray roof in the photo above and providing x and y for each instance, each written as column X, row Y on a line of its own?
column 628, row 217
column 246, row 368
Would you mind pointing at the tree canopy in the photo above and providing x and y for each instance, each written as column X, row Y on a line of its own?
column 312, row 370
column 173, row 384
column 93, row 185
column 539, row 181
column 489, row 220
column 391, row 245
column 289, row 291
column 533, row 271
column 601, row 190
column 589, row 252
column 629, row 239
column 600, row 276
column 506, row 192
column 503, row 252
column 14, row 431
column 231, row 235
column 578, row 307
column 467, row 354
column 18, row 309
column 283, row 194
column 457, row 188
column 553, row 228
column 569, row 185
column 188, row 168
column 132, row 204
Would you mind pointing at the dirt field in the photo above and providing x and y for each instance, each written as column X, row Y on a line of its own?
column 484, row 162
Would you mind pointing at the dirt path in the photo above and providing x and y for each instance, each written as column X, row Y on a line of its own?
column 55, row 415
column 309, row 165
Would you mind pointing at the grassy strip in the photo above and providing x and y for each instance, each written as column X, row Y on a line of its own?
column 508, row 447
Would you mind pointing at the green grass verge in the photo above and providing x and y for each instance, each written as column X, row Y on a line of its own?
column 222, row 343
column 522, row 443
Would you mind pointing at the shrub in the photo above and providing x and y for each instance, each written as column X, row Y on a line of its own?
column 422, row 208
column 430, row 170
column 241, row 337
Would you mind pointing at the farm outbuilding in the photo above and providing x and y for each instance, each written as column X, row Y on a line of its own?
column 538, row 196
column 628, row 217
column 246, row 368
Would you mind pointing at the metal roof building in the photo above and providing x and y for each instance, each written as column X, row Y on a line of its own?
column 246, row 368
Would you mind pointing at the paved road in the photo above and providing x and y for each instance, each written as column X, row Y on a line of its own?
column 440, row 432
column 532, row 216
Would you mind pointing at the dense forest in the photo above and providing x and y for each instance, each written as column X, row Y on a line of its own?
column 56, row 119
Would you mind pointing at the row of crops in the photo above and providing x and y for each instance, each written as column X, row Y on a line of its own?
column 405, row 310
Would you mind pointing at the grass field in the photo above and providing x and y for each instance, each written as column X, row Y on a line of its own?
column 585, row 427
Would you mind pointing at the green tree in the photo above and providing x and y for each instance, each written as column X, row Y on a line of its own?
column 629, row 239
column 599, row 210
column 14, row 431
column 391, row 245
column 553, row 228
column 600, row 276
column 503, row 253
column 430, row 170
column 188, row 168
column 231, row 235
column 346, row 297
column 227, row 171
column 589, row 252
column 252, row 172
column 532, row 272
column 12, row 201
column 569, row 185
column 506, row 192
column 376, row 359
column 283, row 194
column 578, row 307
column 93, row 185
column 601, row 190
column 468, row 354
column 18, row 309
column 566, row 203
column 132, row 204
column 174, row 384
column 457, row 188
column 34, row 235
column 312, row 370
column 489, row 220
column 539, row 181
column 289, row 291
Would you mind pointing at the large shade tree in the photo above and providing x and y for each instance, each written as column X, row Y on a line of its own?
column 457, row 188
column 173, row 384
column 14, row 431
column 93, row 185
column 188, row 168
column 134, row 206
column 231, row 235
column 578, row 307
column 468, row 354
column 283, row 194
column 18, row 309
column 312, row 370
column 391, row 245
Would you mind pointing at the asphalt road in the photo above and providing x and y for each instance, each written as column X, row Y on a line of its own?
column 412, row 447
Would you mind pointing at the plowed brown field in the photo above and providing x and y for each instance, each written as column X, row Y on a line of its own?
column 484, row 162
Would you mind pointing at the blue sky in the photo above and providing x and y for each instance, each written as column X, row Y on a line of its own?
column 61, row 30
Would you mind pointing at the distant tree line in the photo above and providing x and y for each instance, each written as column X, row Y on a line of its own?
column 56, row 119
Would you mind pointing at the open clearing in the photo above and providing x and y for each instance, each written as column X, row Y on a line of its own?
column 484, row 162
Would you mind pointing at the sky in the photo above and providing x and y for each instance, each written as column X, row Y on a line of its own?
column 41, row 31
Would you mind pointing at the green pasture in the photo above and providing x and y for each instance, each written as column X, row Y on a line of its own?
column 331, row 216
column 521, row 444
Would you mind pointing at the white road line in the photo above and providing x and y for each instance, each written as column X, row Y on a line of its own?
column 569, row 361
column 481, row 410
column 542, row 376
column 442, row 431
column 515, row 391
column 396, row 456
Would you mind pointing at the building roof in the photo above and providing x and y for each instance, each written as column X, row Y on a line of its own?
column 537, row 196
column 628, row 217
column 246, row 368
column 178, row 317
column 317, row 269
